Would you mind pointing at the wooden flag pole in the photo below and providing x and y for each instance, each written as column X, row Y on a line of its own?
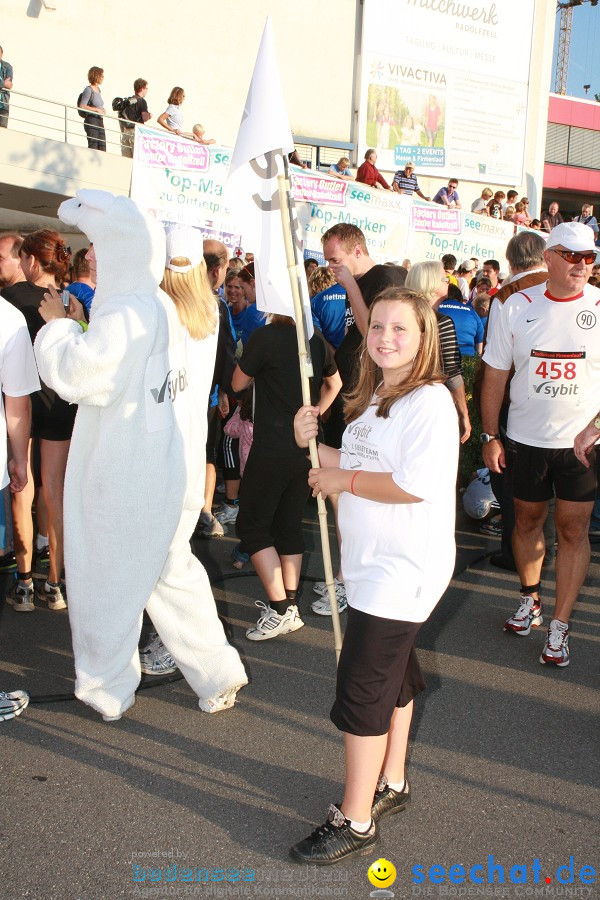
column 293, row 267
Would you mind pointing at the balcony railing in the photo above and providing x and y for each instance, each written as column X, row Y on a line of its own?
column 48, row 119
column 44, row 118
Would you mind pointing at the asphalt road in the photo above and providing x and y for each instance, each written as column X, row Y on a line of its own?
column 504, row 760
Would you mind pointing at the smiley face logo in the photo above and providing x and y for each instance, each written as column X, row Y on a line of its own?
column 382, row 873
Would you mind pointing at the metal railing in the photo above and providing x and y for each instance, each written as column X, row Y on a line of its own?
column 54, row 121
column 321, row 153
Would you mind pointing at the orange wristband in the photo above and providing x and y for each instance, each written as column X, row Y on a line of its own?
column 352, row 482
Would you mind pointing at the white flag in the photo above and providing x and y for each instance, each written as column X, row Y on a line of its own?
column 252, row 188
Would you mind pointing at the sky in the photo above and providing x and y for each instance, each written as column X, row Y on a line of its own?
column 583, row 61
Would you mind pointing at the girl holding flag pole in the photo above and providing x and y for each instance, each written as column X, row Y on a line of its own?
column 396, row 515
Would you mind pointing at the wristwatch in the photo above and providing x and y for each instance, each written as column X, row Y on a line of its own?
column 488, row 438
column 597, row 422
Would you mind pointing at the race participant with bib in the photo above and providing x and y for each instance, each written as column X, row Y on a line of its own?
column 551, row 334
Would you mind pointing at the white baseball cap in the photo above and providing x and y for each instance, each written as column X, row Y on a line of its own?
column 572, row 236
column 185, row 242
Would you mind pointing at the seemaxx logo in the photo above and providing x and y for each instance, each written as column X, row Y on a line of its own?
column 494, row 873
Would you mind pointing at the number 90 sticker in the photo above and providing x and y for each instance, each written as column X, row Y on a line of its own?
column 557, row 375
column 586, row 318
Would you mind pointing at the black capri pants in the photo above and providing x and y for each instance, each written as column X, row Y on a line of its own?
column 378, row 671
column 273, row 495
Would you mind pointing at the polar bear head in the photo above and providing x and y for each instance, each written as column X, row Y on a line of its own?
column 129, row 245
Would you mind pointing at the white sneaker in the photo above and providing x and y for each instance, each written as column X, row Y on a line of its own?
column 556, row 648
column 158, row 661
column 13, row 704
column 527, row 616
column 224, row 700
column 153, row 642
column 52, row 595
column 320, row 588
column 271, row 624
column 20, row 597
column 322, row 606
column 227, row 514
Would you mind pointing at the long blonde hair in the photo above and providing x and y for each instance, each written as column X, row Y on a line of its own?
column 193, row 298
column 426, row 367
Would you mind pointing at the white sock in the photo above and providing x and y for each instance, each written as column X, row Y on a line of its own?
column 361, row 827
column 398, row 786
column 41, row 541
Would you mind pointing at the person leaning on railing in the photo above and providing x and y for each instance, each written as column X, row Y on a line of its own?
column 6, row 83
column 91, row 101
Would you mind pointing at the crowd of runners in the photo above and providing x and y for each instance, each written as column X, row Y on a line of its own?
column 153, row 344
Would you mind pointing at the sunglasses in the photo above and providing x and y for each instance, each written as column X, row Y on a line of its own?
column 576, row 256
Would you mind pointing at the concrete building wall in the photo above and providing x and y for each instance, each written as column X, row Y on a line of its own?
column 209, row 49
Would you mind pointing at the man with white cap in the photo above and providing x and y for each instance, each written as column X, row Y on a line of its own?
column 551, row 334
column 405, row 182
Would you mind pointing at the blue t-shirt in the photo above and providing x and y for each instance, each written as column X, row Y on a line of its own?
column 83, row 292
column 247, row 321
column 443, row 192
column 467, row 324
column 329, row 313
column 339, row 171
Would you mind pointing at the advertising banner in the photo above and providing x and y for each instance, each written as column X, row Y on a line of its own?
column 177, row 181
column 445, row 84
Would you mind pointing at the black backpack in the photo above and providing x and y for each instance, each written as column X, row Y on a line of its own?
column 82, row 112
column 123, row 106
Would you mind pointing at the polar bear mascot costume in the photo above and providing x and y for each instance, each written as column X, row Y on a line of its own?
column 134, row 484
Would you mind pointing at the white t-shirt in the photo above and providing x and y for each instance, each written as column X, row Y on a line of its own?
column 555, row 348
column 398, row 558
column 18, row 371
column 174, row 117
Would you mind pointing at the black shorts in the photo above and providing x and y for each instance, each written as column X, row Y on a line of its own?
column 52, row 421
column 273, row 495
column 536, row 474
column 378, row 671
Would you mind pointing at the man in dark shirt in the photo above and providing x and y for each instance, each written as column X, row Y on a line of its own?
column 135, row 111
column 345, row 249
column 552, row 218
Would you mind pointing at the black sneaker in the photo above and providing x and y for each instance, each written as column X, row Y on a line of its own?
column 334, row 841
column 41, row 562
column 8, row 563
column 387, row 801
